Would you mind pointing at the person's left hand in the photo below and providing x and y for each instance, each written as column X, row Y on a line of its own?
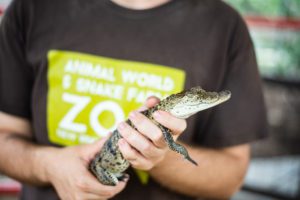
column 145, row 147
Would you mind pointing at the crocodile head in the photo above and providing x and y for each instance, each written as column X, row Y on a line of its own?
column 189, row 102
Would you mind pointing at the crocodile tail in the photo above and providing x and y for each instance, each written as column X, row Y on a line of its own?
column 191, row 160
column 182, row 150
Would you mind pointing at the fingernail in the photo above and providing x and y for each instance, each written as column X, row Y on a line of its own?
column 126, row 178
column 133, row 115
column 157, row 114
column 122, row 126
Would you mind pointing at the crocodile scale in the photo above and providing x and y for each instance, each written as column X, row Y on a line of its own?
column 109, row 164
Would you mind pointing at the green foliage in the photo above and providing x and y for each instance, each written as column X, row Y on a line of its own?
column 273, row 8
column 277, row 50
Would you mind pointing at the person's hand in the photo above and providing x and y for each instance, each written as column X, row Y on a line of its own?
column 68, row 172
column 145, row 147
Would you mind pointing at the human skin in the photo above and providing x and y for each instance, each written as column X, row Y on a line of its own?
column 65, row 168
column 140, row 4
column 219, row 174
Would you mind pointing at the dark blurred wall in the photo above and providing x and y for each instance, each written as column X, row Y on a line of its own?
column 283, row 105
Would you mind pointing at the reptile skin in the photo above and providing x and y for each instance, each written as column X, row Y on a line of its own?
column 109, row 164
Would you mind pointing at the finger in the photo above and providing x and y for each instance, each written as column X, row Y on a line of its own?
column 96, row 146
column 92, row 186
column 176, row 125
column 148, row 129
column 90, row 196
column 128, row 152
column 88, row 151
column 151, row 101
column 142, row 108
column 134, row 157
column 121, row 185
column 138, row 141
column 111, row 191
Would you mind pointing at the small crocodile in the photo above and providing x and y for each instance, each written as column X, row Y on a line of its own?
column 109, row 164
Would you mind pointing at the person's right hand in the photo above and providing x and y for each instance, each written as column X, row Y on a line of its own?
column 67, row 170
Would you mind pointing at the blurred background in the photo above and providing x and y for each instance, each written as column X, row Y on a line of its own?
column 274, row 25
column 274, row 172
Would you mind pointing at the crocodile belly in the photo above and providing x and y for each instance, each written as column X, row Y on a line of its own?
column 112, row 160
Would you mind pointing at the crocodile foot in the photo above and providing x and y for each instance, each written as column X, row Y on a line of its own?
column 105, row 177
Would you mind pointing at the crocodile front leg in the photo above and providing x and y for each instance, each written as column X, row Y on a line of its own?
column 175, row 146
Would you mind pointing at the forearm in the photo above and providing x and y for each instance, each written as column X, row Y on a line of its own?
column 218, row 175
column 23, row 160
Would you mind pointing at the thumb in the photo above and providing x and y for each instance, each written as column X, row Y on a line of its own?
column 150, row 102
column 90, row 150
column 97, row 145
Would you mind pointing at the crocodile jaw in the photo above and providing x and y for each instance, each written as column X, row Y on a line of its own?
column 185, row 110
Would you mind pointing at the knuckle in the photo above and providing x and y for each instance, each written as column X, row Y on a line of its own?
column 129, row 154
column 141, row 119
column 157, row 138
column 132, row 138
column 147, row 147
column 148, row 166
column 140, row 167
column 109, row 193
column 151, row 166
column 123, row 130
column 145, row 165
column 180, row 127
column 135, row 165
column 77, row 197
column 136, row 118
column 183, row 125
column 81, row 184
column 121, row 133
column 125, row 153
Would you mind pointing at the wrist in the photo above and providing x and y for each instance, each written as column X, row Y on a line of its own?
column 44, row 159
